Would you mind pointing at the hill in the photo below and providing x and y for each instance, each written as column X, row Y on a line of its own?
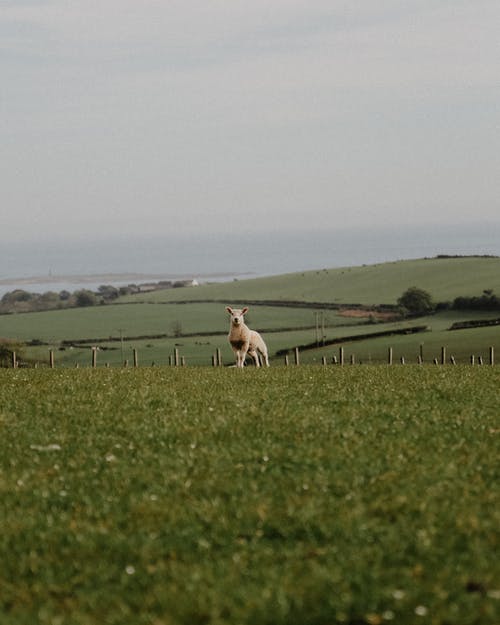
column 444, row 278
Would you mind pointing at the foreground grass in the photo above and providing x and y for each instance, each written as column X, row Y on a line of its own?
column 292, row 495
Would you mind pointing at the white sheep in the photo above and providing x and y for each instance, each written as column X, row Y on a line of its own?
column 243, row 340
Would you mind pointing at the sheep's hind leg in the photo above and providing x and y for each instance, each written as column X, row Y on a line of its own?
column 254, row 354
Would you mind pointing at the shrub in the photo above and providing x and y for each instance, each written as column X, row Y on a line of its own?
column 416, row 301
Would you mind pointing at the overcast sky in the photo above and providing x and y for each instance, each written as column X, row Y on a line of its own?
column 161, row 116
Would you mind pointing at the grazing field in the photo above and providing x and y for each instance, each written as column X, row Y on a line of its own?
column 301, row 495
column 443, row 278
column 193, row 319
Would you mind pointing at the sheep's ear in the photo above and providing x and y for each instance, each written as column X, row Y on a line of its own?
column 229, row 310
column 244, row 311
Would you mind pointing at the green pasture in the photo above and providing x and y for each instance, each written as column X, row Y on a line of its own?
column 283, row 496
column 445, row 279
column 198, row 328
column 128, row 320
column 198, row 350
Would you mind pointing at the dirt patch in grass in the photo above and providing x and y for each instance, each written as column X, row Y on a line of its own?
column 361, row 313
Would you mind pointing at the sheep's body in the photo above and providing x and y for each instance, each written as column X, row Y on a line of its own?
column 245, row 341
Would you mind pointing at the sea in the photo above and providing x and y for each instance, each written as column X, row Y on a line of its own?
column 56, row 263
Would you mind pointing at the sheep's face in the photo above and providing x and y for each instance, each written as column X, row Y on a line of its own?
column 237, row 315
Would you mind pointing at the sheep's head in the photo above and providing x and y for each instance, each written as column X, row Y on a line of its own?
column 237, row 315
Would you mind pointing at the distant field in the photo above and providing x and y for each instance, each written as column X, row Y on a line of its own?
column 154, row 324
column 444, row 279
column 300, row 496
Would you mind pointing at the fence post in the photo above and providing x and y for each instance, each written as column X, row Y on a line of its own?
column 402, row 360
column 452, row 360
column 287, row 360
column 472, row 359
column 334, row 360
column 176, row 356
column 219, row 357
column 94, row 357
column 479, row 360
column 51, row 358
column 297, row 357
column 492, row 355
column 183, row 361
column 136, row 358
column 419, row 360
column 323, row 360
column 14, row 360
column 341, row 356
column 422, row 352
column 353, row 359
column 443, row 355
column 389, row 356
column 125, row 363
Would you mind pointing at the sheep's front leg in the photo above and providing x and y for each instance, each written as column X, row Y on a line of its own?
column 242, row 355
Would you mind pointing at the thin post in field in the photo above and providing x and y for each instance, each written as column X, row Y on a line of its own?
column 136, row 358
column 94, row 357
column 176, row 357
column 443, row 355
column 297, row 356
column 389, row 356
column 14, row 360
column 341, row 356
column 287, row 360
column 219, row 357
column 492, row 355
column 51, row 358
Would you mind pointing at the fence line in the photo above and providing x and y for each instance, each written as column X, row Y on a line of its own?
column 176, row 359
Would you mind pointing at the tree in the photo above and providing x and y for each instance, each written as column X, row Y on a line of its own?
column 85, row 297
column 416, row 301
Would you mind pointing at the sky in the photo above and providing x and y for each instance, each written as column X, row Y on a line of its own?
column 231, row 116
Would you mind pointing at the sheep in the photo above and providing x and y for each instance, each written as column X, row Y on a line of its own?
column 243, row 340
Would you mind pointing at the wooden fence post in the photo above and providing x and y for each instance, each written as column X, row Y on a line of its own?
column 353, row 359
column 443, row 355
column 176, row 356
column 492, row 355
column 341, row 356
column 422, row 352
column 334, row 360
column 479, row 360
column 402, row 360
column 14, row 360
column 419, row 360
column 323, row 360
column 94, row 357
column 452, row 360
column 287, row 360
column 389, row 356
column 472, row 359
column 219, row 357
column 297, row 356
column 51, row 358
column 136, row 358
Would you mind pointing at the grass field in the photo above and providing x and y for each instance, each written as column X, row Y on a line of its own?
column 444, row 279
column 198, row 328
column 309, row 495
